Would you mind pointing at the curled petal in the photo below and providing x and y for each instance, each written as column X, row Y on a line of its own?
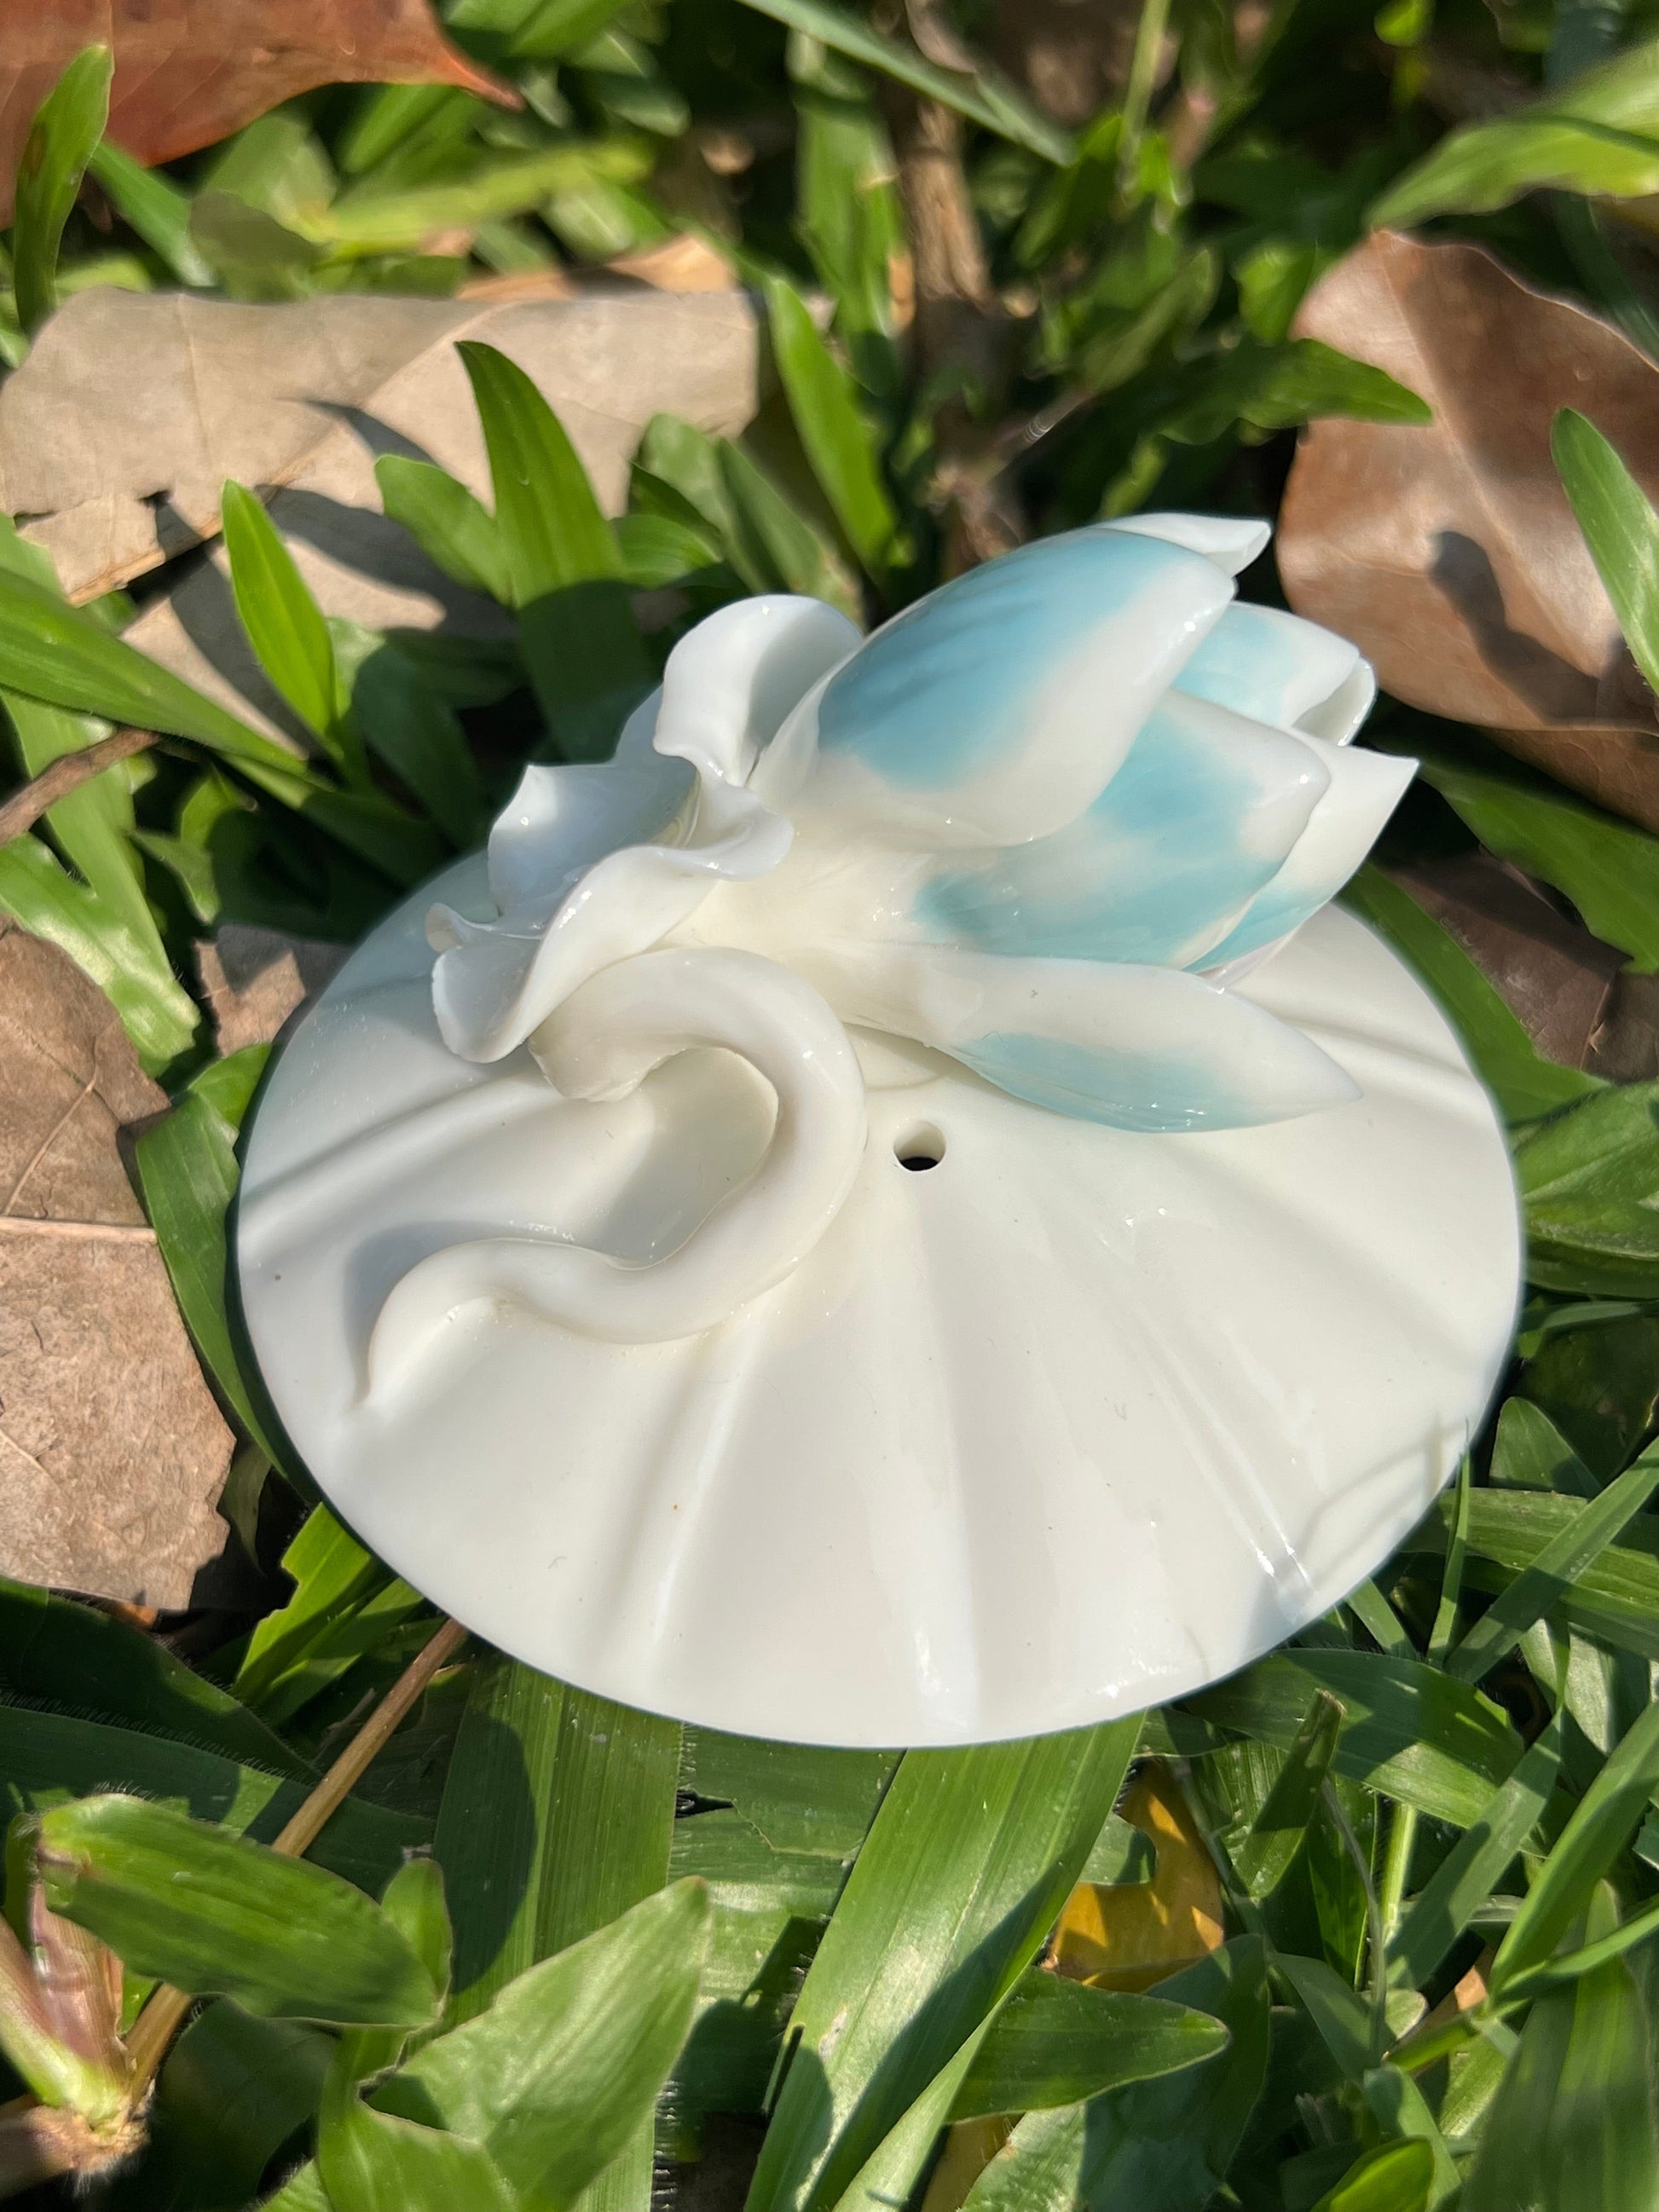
column 561, row 820
column 494, row 982
column 1366, row 788
column 1138, row 1047
column 999, row 707
column 1200, row 817
column 732, row 681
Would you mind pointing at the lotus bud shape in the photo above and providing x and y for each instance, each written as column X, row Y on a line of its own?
column 1039, row 821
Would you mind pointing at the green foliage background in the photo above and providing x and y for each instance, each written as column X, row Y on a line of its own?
column 1454, row 1770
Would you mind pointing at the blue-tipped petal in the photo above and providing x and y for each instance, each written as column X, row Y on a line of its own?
column 1366, row 788
column 1138, row 1047
column 999, row 707
column 1272, row 666
column 1198, row 819
column 1147, row 1092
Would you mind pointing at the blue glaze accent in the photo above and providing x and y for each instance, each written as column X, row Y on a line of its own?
column 1269, row 665
column 1274, row 914
column 1145, row 1091
column 1149, row 873
column 947, row 689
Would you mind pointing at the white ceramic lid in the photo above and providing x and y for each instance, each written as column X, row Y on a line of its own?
column 1071, row 1421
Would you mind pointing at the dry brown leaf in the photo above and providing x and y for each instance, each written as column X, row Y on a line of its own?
column 188, row 72
column 1571, row 994
column 112, row 1449
column 1448, row 553
column 254, row 979
column 607, row 361
column 117, row 431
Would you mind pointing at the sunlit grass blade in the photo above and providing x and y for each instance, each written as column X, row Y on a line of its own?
column 452, row 528
column 964, row 1872
column 1557, row 1568
column 838, row 442
column 214, row 1914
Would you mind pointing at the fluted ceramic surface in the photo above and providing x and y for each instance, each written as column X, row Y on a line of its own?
column 582, row 1261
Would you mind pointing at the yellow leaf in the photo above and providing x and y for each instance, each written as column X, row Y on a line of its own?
column 1128, row 1936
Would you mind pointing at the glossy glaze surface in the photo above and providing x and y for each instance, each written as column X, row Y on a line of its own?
column 583, row 1265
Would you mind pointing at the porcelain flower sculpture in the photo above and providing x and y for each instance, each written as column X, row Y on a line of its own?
column 1038, row 822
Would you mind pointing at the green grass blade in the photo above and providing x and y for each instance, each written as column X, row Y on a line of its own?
column 1263, row 1856
column 217, row 1915
column 54, row 1652
column 1589, row 1178
column 1603, row 1822
column 551, row 531
column 837, row 441
column 47, row 1758
column 39, row 893
column 1408, row 1731
column 55, row 652
column 1474, row 1866
column 67, row 127
column 155, row 207
column 455, row 531
column 558, row 1815
column 284, row 624
column 1162, row 2146
column 984, row 98
column 1609, row 869
column 1621, row 529
column 558, row 2079
column 1552, row 1574
column 1524, row 1084
column 188, row 1174
column 1055, row 2042
column 964, row 1870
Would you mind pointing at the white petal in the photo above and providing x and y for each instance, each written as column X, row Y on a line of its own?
column 1338, row 719
column 495, row 982
column 1198, row 819
column 561, row 820
column 731, row 681
column 1231, row 542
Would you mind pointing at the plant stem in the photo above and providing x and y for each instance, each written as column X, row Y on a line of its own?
column 1396, row 1867
column 163, row 2015
column 67, row 774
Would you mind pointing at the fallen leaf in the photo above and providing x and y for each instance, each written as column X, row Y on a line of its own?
column 112, row 1449
column 607, row 361
column 119, row 431
column 188, row 72
column 680, row 264
column 1570, row 991
column 1130, row 1935
column 1449, row 554
column 254, row 979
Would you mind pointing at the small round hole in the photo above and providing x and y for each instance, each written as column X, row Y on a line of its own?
column 920, row 1148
